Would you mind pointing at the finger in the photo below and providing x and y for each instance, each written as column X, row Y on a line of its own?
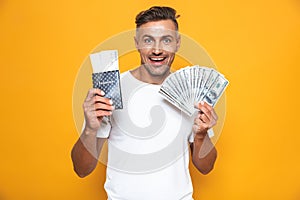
column 101, row 113
column 96, row 104
column 99, row 92
column 197, row 106
column 105, row 100
column 205, row 111
column 90, row 105
column 92, row 92
column 208, row 110
column 214, row 115
column 197, row 121
column 200, row 119
column 207, row 121
column 201, row 104
column 204, row 118
column 101, row 106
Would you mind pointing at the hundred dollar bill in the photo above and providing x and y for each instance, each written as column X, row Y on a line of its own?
column 205, row 75
column 173, row 100
column 190, row 85
column 215, row 91
column 173, row 84
column 210, row 81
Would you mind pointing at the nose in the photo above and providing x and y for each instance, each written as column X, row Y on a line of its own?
column 157, row 48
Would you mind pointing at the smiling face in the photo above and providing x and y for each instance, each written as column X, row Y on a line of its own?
column 157, row 43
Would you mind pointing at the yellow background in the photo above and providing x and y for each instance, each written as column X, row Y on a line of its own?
column 256, row 44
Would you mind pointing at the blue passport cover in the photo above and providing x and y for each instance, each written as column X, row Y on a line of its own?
column 109, row 83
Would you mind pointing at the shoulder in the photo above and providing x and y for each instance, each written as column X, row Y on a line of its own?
column 124, row 74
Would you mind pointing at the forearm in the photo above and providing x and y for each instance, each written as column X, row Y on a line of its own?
column 204, row 154
column 85, row 153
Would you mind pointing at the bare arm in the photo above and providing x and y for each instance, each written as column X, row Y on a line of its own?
column 86, row 150
column 85, row 153
column 204, row 153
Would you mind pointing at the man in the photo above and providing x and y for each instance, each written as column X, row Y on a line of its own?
column 150, row 162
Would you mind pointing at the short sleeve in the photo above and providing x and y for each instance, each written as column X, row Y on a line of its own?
column 104, row 130
column 210, row 134
column 191, row 137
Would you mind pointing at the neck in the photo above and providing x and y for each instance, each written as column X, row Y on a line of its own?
column 143, row 75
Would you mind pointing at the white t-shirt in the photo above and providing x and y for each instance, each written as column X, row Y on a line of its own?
column 148, row 146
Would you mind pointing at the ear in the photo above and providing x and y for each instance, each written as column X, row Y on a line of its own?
column 136, row 43
column 178, row 42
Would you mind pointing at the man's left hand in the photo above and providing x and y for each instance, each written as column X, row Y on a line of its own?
column 205, row 119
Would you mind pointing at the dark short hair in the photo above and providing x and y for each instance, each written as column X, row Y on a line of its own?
column 156, row 13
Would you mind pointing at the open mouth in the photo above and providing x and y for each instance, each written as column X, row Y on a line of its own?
column 157, row 59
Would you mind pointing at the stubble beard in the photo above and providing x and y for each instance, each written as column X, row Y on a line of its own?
column 157, row 71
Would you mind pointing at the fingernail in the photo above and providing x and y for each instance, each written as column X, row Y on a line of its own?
column 110, row 101
column 202, row 102
column 102, row 93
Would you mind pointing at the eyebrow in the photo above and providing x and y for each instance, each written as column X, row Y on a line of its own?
column 164, row 36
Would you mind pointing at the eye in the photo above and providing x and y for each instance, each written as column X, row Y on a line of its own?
column 167, row 40
column 147, row 40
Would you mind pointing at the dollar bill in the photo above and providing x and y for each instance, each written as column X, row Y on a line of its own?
column 215, row 91
column 190, row 85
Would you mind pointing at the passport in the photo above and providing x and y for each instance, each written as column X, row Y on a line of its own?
column 106, row 75
column 109, row 83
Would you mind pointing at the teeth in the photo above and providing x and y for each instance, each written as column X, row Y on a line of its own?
column 157, row 59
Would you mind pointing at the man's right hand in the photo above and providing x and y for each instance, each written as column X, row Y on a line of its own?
column 96, row 106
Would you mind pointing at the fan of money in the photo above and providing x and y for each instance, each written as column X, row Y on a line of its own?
column 190, row 85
